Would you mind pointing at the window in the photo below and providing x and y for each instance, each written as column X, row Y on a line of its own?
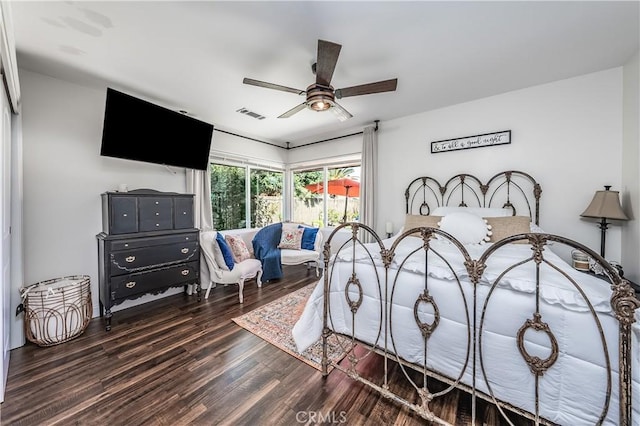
column 228, row 196
column 266, row 197
column 308, row 202
column 339, row 203
column 231, row 194
column 344, row 195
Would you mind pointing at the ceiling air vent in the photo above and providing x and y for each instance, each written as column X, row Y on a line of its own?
column 250, row 113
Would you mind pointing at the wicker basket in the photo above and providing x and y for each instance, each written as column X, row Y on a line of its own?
column 57, row 310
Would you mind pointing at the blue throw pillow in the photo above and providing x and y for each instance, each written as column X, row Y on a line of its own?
column 308, row 238
column 226, row 251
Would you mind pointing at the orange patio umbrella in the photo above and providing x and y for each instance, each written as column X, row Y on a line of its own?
column 344, row 186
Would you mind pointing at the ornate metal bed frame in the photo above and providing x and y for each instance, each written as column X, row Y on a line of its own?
column 515, row 190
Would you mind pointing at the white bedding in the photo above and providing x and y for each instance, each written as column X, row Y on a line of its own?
column 567, row 392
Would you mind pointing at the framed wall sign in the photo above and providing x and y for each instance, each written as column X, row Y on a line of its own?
column 477, row 141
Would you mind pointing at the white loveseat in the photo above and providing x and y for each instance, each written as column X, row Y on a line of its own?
column 211, row 273
column 297, row 257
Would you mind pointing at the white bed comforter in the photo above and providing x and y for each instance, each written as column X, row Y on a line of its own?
column 568, row 393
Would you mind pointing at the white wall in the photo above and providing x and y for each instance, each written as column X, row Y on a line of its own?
column 241, row 148
column 631, row 170
column 566, row 134
column 64, row 176
column 333, row 149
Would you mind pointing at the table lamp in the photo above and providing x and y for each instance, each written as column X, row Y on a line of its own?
column 605, row 205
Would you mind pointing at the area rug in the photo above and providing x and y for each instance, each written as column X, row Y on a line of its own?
column 274, row 321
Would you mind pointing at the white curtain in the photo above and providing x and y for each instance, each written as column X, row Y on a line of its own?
column 199, row 184
column 368, row 177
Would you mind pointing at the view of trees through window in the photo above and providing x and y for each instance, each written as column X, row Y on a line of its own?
column 228, row 199
column 343, row 196
column 229, row 196
column 266, row 197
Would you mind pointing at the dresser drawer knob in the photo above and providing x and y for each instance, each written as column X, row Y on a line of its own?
column 157, row 202
column 130, row 284
column 157, row 214
column 185, row 250
column 130, row 258
column 157, row 224
column 185, row 272
column 124, row 215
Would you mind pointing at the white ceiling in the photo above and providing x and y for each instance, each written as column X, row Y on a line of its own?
column 194, row 55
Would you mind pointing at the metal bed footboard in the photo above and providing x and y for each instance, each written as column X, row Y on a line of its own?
column 466, row 283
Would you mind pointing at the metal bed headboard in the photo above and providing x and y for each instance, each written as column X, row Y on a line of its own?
column 511, row 189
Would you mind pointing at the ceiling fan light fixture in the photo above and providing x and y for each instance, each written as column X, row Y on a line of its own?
column 319, row 98
column 320, row 104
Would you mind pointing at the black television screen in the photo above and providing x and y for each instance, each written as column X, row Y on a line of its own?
column 134, row 129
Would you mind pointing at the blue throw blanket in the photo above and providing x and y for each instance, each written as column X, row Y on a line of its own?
column 265, row 249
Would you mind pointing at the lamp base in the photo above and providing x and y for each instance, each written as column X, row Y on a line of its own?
column 603, row 234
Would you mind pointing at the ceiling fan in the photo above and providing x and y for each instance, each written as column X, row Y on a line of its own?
column 321, row 96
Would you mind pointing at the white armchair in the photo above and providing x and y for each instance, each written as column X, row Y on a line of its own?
column 242, row 271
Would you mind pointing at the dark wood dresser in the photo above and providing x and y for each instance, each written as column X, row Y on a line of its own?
column 148, row 245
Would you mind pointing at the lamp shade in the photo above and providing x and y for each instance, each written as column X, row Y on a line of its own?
column 605, row 204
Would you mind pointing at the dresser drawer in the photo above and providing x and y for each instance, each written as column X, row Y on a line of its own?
column 155, row 213
column 183, row 212
column 126, row 261
column 131, row 243
column 125, row 286
column 124, row 215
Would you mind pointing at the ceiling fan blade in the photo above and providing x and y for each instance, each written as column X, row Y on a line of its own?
column 326, row 62
column 272, row 86
column 341, row 113
column 293, row 110
column 365, row 89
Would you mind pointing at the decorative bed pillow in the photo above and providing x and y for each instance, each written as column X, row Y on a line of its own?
column 291, row 238
column 308, row 237
column 503, row 227
column 466, row 227
column 478, row 211
column 238, row 248
column 226, row 252
column 419, row 221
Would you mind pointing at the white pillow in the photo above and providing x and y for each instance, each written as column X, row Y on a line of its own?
column 536, row 229
column 466, row 227
column 478, row 211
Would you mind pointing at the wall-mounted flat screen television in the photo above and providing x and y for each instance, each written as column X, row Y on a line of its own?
column 134, row 129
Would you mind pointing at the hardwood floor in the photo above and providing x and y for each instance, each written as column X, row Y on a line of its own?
column 176, row 361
